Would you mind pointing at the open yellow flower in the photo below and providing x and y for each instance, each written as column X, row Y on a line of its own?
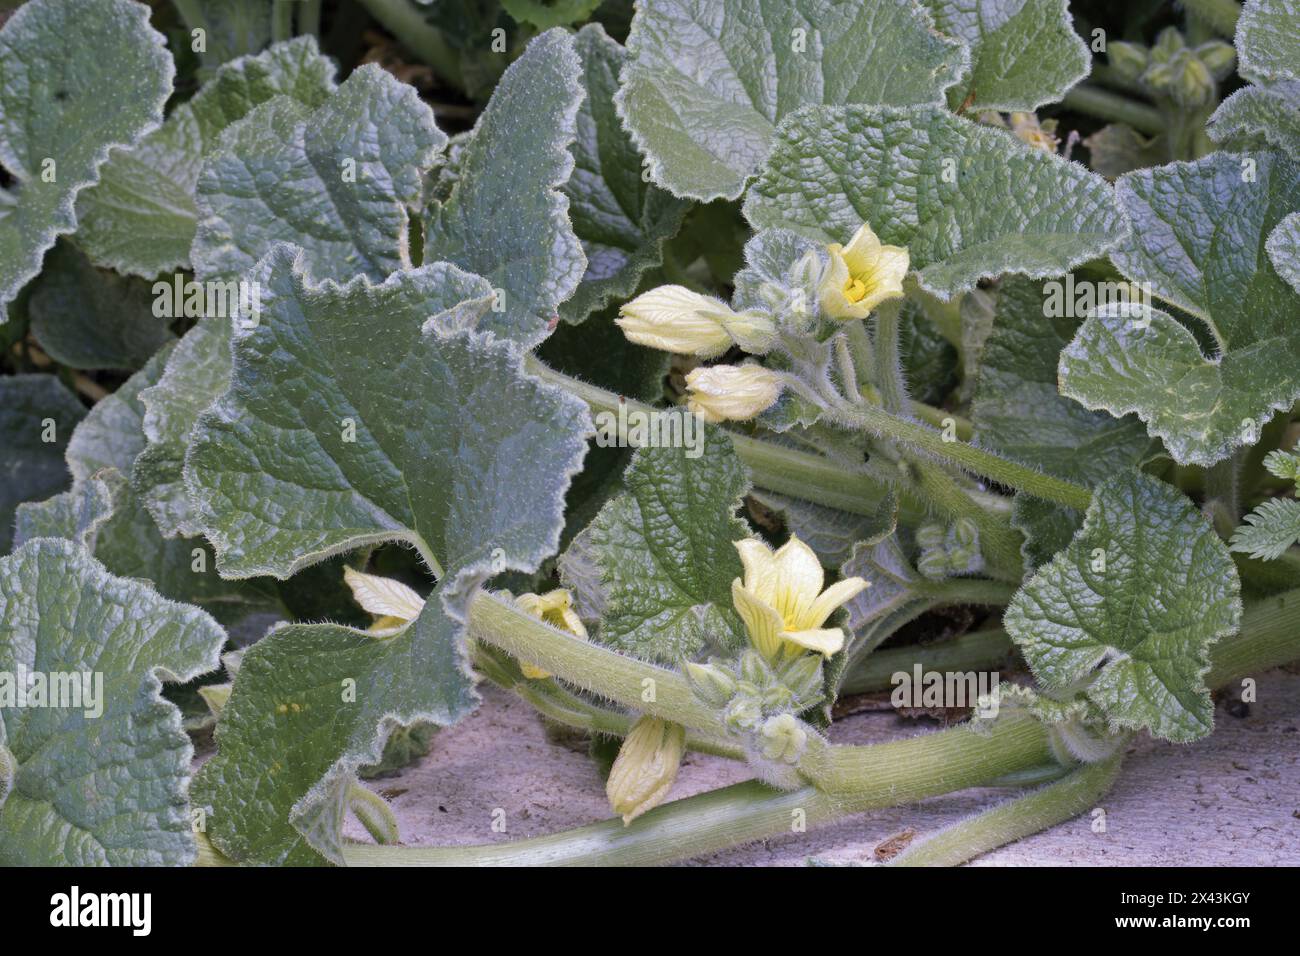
column 556, row 609
column 782, row 602
column 862, row 275
column 731, row 392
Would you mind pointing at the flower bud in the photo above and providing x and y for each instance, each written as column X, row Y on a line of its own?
column 754, row 669
column 966, row 532
column 804, row 678
column 1193, row 85
column 646, row 767
column 754, row 332
column 1158, row 77
column 1169, row 42
column 672, row 318
column 777, row 697
column 1129, row 60
column 933, row 564
column 731, row 392
column 744, row 712
column 1219, row 57
column 710, row 683
column 783, row 738
column 930, row 535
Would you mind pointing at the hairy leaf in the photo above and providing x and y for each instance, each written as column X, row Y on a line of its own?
column 622, row 220
column 1129, row 610
column 141, row 216
column 57, row 60
column 968, row 201
column 1024, row 53
column 1269, row 530
column 507, row 216
column 1258, row 117
column 87, row 788
column 709, row 80
column 1284, row 250
column 666, row 550
column 1268, row 40
column 1198, row 239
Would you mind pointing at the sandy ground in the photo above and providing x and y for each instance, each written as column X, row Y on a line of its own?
column 1231, row 799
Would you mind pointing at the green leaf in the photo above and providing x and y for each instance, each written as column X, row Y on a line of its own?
column 545, row 14
column 76, row 514
column 1019, row 413
column 507, row 216
column 1284, row 250
column 33, row 408
column 58, row 60
column 831, row 533
column 708, row 82
column 1269, row 530
column 1117, row 149
column 968, row 201
column 1268, row 40
column 106, row 789
column 85, row 318
column 1129, row 610
column 141, row 216
column 1198, row 239
column 1258, row 117
column 621, row 220
column 665, row 551
column 196, row 372
column 456, row 452
column 893, row 580
column 339, row 180
column 1024, row 53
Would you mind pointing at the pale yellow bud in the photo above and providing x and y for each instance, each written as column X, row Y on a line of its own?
column 731, row 392
column 861, row 275
column 646, row 767
column 672, row 318
column 556, row 609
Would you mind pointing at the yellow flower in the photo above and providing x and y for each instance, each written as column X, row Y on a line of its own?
column 556, row 609
column 735, row 392
column 1028, row 130
column 672, row 318
column 646, row 767
column 393, row 604
column 861, row 275
column 782, row 602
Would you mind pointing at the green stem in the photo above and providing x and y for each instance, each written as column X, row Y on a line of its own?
column 881, row 423
column 1016, row 819
column 937, row 418
column 889, row 369
column 1106, row 105
column 403, row 19
column 373, row 812
column 969, row 591
column 1221, row 15
column 309, row 17
column 979, row 651
column 1223, row 494
column 778, row 468
column 281, row 20
column 1269, row 635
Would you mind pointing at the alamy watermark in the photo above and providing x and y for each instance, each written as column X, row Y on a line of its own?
column 922, row 688
column 178, row 297
column 1078, row 299
column 639, row 428
column 71, row 690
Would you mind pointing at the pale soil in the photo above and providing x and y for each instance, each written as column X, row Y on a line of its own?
column 1231, row 799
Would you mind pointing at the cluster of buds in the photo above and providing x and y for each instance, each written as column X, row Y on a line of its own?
column 850, row 282
column 751, row 689
column 949, row 551
column 1187, row 75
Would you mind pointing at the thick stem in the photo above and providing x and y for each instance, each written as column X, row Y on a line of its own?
column 373, row 812
column 881, row 423
column 1223, row 494
column 1016, row 819
column 889, row 369
column 282, row 20
column 309, row 17
column 402, row 19
column 1105, row 105
column 1269, row 636
column 778, row 468
column 980, row 651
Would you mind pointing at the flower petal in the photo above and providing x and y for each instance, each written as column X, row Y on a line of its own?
column 860, row 254
column 760, row 568
column 825, row 641
column 762, row 622
column 830, row 600
column 383, row 597
column 799, row 579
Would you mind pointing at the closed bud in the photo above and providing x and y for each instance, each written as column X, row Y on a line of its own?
column 731, row 392
column 959, row 559
column 646, row 767
column 1158, row 77
column 783, row 738
column 743, row 713
column 754, row 669
column 672, row 318
column 754, row 332
column 777, row 697
column 1169, row 42
column 966, row 532
column 1129, row 60
column 710, row 683
column 1219, row 57
column 933, row 564
column 930, row 535
column 1193, row 85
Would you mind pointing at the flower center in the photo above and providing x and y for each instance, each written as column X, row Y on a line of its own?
column 855, row 290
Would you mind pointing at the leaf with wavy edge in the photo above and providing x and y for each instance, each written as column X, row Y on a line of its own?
column 968, row 201
column 57, row 59
column 1268, row 40
column 1283, row 248
column 32, row 408
column 709, row 82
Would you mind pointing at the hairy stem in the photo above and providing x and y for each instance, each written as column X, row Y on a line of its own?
column 281, row 20
column 1016, row 819
column 403, row 20
column 1103, row 104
